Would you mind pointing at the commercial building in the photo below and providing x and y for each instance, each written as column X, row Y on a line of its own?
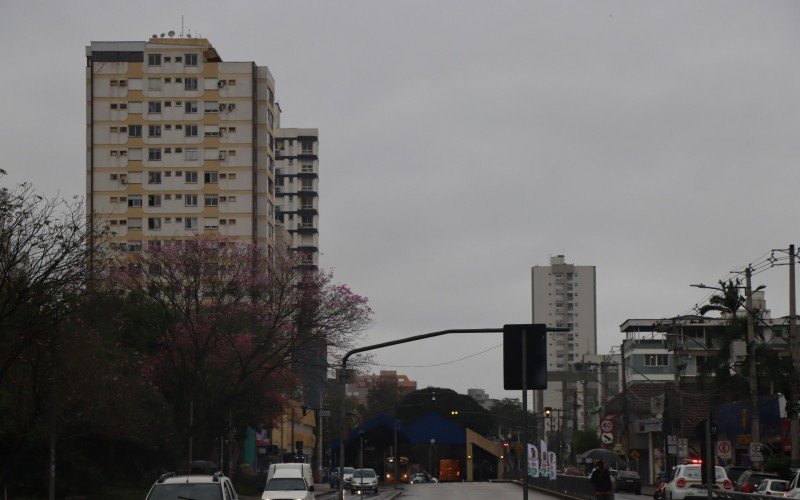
column 564, row 295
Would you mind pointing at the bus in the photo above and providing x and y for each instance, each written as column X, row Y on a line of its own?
column 449, row 470
column 402, row 470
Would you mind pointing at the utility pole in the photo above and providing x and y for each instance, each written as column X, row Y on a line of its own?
column 624, row 430
column 575, row 411
column 794, row 349
column 754, row 410
column 585, row 396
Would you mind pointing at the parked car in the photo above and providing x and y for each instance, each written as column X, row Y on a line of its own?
column 423, row 477
column 750, row 479
column 334, row 477
column 208, row 487
column 628, row 480
column 364, row 480
column 734, row 472
column 772, row 487
column 572, row 471
column 793, row 490
column 686, row 481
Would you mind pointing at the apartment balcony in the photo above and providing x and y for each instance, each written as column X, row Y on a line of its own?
column 306, row 227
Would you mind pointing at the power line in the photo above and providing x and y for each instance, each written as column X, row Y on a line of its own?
column 441, row 364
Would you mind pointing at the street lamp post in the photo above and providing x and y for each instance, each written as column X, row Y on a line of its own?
column 430, row 455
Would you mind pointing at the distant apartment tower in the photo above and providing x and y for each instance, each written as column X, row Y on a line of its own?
column 179, row 142
column 296, row 190
column 360, row 386
column 564, row 296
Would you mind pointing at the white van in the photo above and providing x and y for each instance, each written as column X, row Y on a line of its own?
column 304, row 469
column 287, row 482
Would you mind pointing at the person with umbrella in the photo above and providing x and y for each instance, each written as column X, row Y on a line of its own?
column 601, row 479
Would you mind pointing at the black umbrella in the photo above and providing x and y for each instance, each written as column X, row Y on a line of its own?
column 607, row 456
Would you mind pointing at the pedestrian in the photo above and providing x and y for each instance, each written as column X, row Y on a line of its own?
column 601, row 479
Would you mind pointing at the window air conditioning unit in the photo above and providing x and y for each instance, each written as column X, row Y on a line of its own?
column 231, row 107
column 222, row 106
column 220, row 84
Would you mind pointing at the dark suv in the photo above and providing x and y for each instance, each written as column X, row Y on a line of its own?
column 628, row 480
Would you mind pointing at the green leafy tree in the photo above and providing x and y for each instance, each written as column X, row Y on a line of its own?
column 383, row 397
column 585, row 440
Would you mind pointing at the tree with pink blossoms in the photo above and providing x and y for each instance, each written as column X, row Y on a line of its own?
column 234, row 322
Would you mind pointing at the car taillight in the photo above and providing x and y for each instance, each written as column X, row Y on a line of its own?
column 681, row 482
column 727, row 485
column 458, row 473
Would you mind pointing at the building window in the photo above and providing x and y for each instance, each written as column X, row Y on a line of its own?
column 190, row 223
column 656, row 360
column 211, row 200
column 154, row 107
column 154, row 223
column 154, row 59
column 191, row 153
column 308, row 185
column 190, row 84
column 211, row 177
column 154, row 130
column 191, row 178
column 135, row 224
column 191, row 59
column 154, row 177
column 307, row 168
column 191, row 131
column 135, row 200
column 134, row 130
column 190, row 200
column 154, row 200
column 154, row 84
column 154, row 154
column 190, row 106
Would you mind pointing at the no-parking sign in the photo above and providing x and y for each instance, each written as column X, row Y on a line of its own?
column 724, row 450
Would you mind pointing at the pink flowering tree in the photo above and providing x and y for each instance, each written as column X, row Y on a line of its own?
column 233, row 321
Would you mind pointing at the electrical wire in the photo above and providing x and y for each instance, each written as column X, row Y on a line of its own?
column 441, row 364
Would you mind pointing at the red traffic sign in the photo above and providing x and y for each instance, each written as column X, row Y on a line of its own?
column 607, row 425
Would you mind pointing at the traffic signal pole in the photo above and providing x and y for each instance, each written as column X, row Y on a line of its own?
column 525, row 414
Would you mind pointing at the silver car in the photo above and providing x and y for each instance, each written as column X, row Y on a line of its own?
column 364, row 480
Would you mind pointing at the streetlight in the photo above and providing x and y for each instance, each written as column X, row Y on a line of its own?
column 430, row 455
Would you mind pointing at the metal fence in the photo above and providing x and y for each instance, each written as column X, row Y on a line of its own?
column 566, row 486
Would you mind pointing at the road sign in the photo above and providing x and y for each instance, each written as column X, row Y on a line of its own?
column 672, row 440
column 324, row 413
column 607, row 425
column 535, row 356
column 724, row 450
column 683, row 448
column 635, row 455
column 606, row 438
column 755, row 452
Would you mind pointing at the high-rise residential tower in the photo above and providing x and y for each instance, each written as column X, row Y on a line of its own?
column 564, row 296
column 179, row 142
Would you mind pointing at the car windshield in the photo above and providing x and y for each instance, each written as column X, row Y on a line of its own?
column 348, row 470
column 364, row 473
column 286, row 484
column 693, row 473
column 757, row 478
column 778, row 485
column 628, row 473
column 193, row 491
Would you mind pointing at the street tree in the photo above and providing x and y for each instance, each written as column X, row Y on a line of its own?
column 234, row 319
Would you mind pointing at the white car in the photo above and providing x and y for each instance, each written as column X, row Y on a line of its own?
column 170, row 486
column 364, row 480
column 687, row 482
column 793, row 490
column 772, row 487
column 287, row 483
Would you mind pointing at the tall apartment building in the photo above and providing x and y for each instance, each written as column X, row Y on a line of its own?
column 360, row 386
column 296, row 190
column 564, row 296
column 179, row 142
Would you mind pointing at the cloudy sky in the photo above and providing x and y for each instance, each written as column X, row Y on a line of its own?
column 464, row 142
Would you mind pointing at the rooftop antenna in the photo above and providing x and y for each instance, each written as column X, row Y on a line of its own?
column 181, row 25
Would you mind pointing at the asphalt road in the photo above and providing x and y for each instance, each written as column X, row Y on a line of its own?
column 468, row 491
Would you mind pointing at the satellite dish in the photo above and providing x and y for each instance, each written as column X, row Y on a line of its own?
column 171, row 33
column 163, row 35
column 153, row 36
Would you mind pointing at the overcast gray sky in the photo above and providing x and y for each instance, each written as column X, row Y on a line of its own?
column 463, row 142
